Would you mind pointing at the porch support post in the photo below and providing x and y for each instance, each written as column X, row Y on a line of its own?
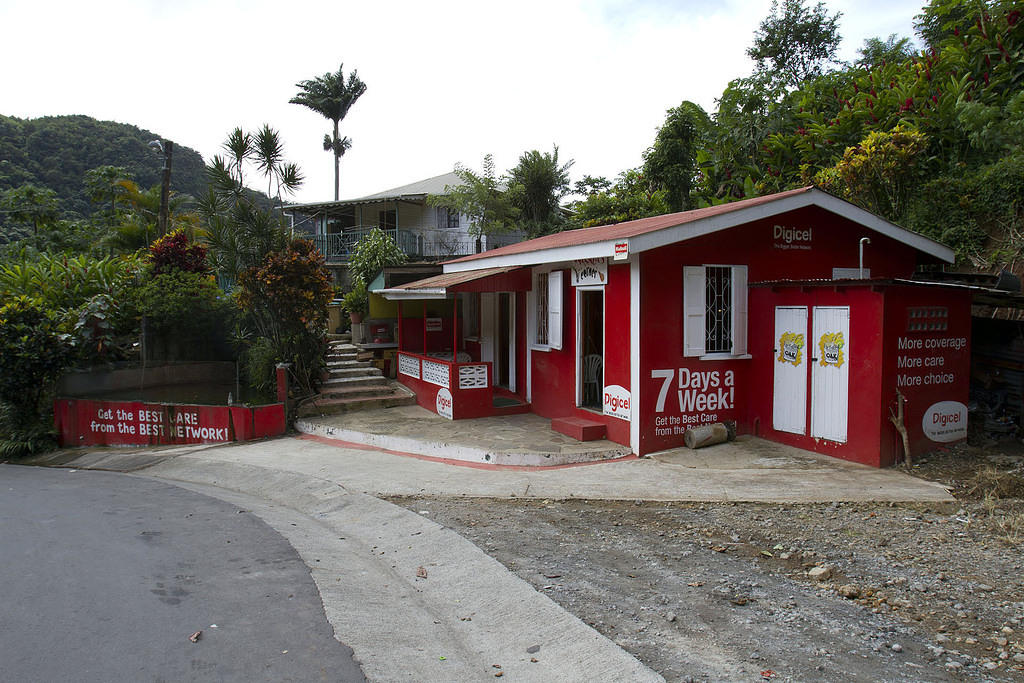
column 399, row 331
column 455, row 327
column 424, row 327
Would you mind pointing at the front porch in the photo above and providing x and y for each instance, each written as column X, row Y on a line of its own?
column 460, row 342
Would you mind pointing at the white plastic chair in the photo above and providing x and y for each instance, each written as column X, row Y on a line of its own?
column 592, row 366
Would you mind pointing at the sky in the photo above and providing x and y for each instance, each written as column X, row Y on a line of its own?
column 447, row 82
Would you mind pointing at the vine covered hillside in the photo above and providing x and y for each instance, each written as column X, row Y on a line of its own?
column 55, row 152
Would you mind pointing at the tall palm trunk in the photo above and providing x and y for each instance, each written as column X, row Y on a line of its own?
column 337, row 160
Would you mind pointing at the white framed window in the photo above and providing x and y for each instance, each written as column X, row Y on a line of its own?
column 715, row 311
column 547, row 310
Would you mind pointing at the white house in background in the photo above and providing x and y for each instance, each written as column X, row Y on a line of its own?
column 423, row 232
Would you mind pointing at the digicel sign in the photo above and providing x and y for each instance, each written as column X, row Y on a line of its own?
column 791, row 238
column 616, row 401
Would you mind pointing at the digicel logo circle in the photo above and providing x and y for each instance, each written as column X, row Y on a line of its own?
column 945, row 421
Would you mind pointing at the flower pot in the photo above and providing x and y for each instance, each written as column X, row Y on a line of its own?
column 356, row 318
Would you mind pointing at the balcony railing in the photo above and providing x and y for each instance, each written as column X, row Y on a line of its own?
column 425, row 243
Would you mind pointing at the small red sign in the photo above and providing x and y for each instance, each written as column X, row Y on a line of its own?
column 621, row 250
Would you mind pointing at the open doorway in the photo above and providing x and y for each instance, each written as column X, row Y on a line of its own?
column 590, row 346
column 503, row 342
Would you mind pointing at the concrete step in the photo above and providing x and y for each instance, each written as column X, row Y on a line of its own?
column 579, row 428
column 337, row 364
column 366, row 381
column 365, row 371
column 333, row 402
column 334, row 406
column 340, row 355
column 368, row 391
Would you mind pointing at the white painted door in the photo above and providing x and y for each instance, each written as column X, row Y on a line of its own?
column 789, row 394
column 830, row 372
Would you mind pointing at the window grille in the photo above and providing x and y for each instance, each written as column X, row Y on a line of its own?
column 718, row 316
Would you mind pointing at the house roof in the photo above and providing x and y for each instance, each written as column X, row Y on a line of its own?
column 416, row 191
column 657, row 231
column 439, row 286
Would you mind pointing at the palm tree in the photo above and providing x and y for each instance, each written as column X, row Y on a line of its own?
column 331, row 96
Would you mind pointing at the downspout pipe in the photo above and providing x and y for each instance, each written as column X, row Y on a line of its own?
column 860, row 270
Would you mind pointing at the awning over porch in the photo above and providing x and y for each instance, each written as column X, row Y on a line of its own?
column 500, row 279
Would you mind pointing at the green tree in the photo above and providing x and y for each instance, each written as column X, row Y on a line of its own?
column 879, row 173
column 671, row 162
column 33, row 354
column 236, row 226
column 876, row 51
column 106, row 184
column 536, row 185
column 331, row 96
column 32, row 205
column 286, row 297
column 372, row 253
column 796, row 43
column 482, row 197
column 631, row 197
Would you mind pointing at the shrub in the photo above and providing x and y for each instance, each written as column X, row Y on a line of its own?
column 373, row 251
column 286, row 297
column 33, row 354
column 358, row 300
column 174, row 251
column 187, row 317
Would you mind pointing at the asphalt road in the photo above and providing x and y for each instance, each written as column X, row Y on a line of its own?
column 103, row 577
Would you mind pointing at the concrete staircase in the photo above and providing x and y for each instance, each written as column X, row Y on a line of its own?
column 353, row 384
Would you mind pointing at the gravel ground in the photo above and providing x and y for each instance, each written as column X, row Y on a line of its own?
column 754, row 592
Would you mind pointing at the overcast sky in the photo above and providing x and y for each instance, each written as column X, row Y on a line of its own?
column 447, row 82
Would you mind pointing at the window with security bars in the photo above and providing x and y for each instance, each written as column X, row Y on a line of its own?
column 718, row 309
column 715, row 311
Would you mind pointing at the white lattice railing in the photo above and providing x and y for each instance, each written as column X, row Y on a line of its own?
column 409, row 365
column 473, row 376
column 436, row 373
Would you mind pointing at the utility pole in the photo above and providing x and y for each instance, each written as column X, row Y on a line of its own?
column 167, row 148
column 165, row 188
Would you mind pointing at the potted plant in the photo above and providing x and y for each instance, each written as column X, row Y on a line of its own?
column 356, row 302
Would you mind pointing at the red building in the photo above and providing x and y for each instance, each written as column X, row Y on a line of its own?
column 793, row 315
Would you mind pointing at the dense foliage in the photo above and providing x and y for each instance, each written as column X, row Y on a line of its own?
column 55, row 152
column 929, row 139
column 33, row 353
column 286, row 297
column 373, row 251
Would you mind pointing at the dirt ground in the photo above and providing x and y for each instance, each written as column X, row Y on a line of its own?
column 756, row 592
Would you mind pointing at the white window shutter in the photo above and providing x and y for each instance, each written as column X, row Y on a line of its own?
column 694, row 310
column 555, row 309
column 739, row 310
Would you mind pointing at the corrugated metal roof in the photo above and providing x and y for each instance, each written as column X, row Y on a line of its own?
column 451, row 279
column 416, row 190
column 433, row 185
column 605, row 233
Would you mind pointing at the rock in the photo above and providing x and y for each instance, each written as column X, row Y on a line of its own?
column 671, row 616
column 896, row 647
column 990, row 665
column 820, row 573
column 1001, row 642
column 1019, row 658
column 953, row 665
column 533, row 649
column 849, row 591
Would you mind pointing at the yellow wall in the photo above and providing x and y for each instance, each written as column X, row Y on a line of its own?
column 382, row 308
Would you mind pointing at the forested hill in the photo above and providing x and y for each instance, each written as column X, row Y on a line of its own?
column 56, row 151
